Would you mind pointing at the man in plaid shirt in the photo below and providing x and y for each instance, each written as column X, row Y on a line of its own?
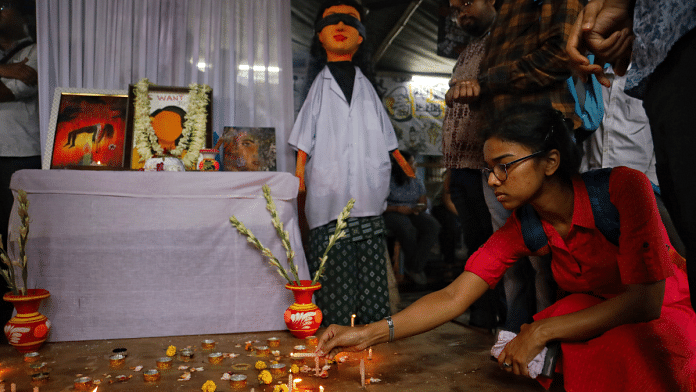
column 525, row 61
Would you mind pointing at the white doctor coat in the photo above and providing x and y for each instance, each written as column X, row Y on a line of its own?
column 347, row 148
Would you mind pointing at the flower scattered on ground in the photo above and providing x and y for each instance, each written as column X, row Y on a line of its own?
column 209, row 386
column 260, row 365
column 281, row 388
column 265, row 377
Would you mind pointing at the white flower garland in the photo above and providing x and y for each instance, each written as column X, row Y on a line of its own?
column 192, row 136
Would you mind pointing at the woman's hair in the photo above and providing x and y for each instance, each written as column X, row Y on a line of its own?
column 361, row 58
column 397, row 173
column 540, row 128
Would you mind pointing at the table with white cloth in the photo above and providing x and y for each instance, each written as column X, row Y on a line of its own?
column 141, row 254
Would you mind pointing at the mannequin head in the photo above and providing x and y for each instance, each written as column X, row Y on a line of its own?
column 319, row 57
column 340, row 32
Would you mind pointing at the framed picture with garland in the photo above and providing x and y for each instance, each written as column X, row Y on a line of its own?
column 167, row 121
column 87, row 130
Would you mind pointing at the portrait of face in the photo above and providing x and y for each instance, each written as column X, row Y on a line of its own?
column 168, row 124
column 340, row 40
column 247, row 149
column 242, row 154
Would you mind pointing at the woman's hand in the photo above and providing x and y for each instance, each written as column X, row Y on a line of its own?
column 521, row 350
column 339, row 338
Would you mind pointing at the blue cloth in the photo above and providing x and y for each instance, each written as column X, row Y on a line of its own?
column 657, row 25
column 591, row 111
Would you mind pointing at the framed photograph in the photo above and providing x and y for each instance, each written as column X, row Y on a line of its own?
column 87, row 129
column 168, row 107
column 247, row 149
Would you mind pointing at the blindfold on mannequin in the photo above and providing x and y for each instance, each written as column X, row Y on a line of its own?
column 348, row 20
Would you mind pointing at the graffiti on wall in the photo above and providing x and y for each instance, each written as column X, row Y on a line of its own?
column 416, row 107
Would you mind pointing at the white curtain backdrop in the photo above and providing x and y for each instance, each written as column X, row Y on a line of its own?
column 241, row 48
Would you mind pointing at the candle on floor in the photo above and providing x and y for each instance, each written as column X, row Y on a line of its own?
column 369, row 353
column 36, row 389
column 290, row 382
column 303, row 355
column 362, row 373
column 13, row 387
column 352, row 320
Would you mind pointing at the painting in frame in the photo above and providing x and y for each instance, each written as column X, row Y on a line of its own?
column 87, row 130
column 168, row 107
column 247, row 149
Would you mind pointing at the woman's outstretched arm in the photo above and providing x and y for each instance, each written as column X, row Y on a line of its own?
column 423, row 315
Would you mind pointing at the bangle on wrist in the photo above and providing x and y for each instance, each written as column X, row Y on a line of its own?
column 390, row 323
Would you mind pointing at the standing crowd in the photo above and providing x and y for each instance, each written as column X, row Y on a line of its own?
column 589, row 247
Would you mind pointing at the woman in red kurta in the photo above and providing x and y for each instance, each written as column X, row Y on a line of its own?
column 626, row 323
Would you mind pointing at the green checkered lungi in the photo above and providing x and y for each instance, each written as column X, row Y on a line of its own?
column 355, row 278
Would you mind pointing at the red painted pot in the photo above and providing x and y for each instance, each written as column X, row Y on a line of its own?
column 28, row 329
column 303, row 318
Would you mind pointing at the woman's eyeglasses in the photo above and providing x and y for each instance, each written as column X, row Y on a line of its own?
column 500, row 171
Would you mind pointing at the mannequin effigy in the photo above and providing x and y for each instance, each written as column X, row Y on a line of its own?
column 343, row 137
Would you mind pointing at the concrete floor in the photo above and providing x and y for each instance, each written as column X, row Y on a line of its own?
column 452, row 357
